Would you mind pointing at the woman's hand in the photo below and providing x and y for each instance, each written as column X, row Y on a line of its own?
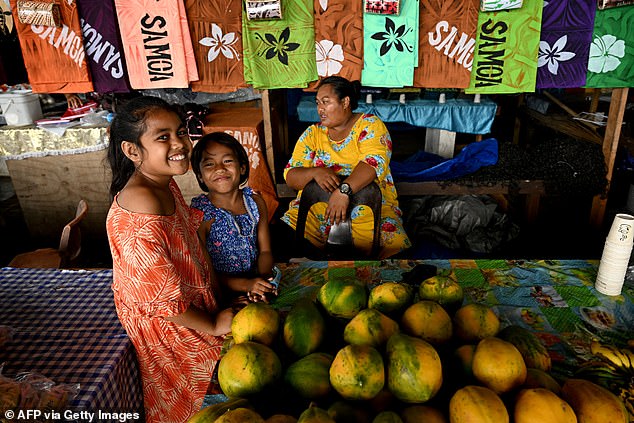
column 259, row 288
column 326, row 178
column 73, row 101
column 337, row 207
column 223, row 321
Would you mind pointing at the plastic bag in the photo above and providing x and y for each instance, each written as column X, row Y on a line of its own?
column 469, row 221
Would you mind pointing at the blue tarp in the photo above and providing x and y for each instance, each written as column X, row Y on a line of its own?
column 423, row 166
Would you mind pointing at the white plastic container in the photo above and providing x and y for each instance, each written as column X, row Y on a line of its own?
column 20, row 107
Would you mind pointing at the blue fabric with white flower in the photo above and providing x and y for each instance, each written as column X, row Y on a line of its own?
column 232, row 240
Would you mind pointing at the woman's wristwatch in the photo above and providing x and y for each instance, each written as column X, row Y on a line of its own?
column 345, row 189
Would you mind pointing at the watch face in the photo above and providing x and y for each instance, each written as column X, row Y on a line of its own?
column 345, row 189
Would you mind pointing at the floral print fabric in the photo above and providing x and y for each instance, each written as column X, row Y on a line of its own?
column 159, row 270
column 370, row 142
column 232, row 241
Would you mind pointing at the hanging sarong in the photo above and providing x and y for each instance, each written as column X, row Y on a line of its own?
column 339, row 38
column 102, row 46
column 12, row 70
column 280, row 53
column 507, row 44
column 611, row 60
column 157, row 44
column 390, row 47
column 446, row 44
column 565, row 40
column 216, row 30
column 54, row 56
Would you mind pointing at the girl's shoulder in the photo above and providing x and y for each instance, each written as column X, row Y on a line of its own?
column 200, row 201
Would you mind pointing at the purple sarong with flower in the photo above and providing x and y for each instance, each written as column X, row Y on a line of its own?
column 564, row 43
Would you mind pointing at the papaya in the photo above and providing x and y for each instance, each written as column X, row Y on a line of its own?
column 240, row 415
column 422, row 413
column 304, row 328
column 593, row 403
column 342, row 298
column 473, row 322
column 369, row 327
column 534, row 352
column 309, row 376
column 387, row 417
column 429, row 321
column 281, row 418
column 248, row 368
column 477, row 404
column 414, row 370
column 314, row 414
column 258, row 322
column 536, row 378
column 443, row 289
column 390, row 298
column 498, row 365
column 210, row 413
column 357, row 372
column 463, row 358
column 543, row 406
column 345, row 412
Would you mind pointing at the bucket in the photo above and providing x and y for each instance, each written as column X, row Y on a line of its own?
column 20, row 107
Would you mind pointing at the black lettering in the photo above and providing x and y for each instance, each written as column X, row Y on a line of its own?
column 489, row 58
column 157, row 52
column 147, row 23
column 155, row 66
column 487, row 28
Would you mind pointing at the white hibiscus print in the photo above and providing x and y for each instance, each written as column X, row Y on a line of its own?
column 605, row 53
column 553, row 55
column 252, row 147
column 220, row 44
column 329, row 58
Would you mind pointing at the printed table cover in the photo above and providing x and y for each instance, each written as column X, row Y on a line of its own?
column 66, row 329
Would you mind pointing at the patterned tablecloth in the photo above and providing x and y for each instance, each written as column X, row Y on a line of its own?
column 555, row 299
column 66, row 329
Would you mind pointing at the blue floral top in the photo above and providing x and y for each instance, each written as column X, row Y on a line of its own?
column 232, row 240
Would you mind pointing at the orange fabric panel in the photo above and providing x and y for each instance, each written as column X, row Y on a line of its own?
column 245, row 124
column 54, row 57
column 156, row 43
column 446, row 42
column 216, row 30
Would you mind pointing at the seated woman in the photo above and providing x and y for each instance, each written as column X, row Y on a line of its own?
column 343, row 153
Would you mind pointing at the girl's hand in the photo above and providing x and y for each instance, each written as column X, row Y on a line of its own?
column 258, row 290
column 223, row 321
column 326, row 178
column 337, row 207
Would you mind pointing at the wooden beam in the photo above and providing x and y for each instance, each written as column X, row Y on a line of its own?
column 610, row 146
column 268, row 132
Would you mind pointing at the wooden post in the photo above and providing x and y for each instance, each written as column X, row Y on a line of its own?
column 268, row 132
column 610, row 145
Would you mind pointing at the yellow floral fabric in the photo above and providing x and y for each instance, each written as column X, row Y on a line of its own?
column 368, row 141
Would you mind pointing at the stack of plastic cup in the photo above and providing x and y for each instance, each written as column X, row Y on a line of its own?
column 616, row 256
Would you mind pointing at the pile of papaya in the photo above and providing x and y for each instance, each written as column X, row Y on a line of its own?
column 400, row 353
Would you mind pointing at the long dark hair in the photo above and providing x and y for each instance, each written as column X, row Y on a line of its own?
column 129, row 125
column 344, row 88
column 224, row 139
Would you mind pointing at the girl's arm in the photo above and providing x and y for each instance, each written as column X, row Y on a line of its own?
column 197, row 319
column 265, row 254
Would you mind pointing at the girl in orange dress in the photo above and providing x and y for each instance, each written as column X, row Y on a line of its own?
column 164, row 291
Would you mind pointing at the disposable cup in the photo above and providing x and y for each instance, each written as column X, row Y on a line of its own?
column 610, row 278
column 618, row 247
column 622, row 229
column 609, row 287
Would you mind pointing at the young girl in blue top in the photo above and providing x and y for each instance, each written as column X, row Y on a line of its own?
column 235, row 228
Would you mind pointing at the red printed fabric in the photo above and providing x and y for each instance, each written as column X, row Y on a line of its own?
column 159, row 270
column 216, row 31
column 446, row 43
column 157, row 43
column 339, row 38
column 54, row 57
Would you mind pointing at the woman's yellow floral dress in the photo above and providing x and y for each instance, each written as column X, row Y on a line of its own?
column 368, row 141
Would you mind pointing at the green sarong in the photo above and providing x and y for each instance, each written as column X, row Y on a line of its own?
column 280, row 53
column 390, row 47
column 611, row 61
column 505, row 56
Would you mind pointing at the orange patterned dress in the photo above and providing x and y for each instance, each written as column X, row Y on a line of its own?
column 159, row 270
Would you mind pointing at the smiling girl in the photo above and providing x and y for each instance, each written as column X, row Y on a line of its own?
column 235, row 229
column 165, row 292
